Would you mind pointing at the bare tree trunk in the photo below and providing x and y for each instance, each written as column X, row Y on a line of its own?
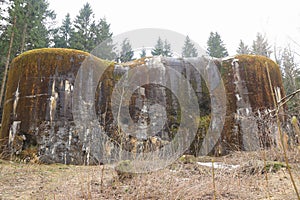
column 24, row 33
column 23, row 38
column 7, row 60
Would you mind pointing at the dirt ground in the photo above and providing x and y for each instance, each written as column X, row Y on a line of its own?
column 259, row 175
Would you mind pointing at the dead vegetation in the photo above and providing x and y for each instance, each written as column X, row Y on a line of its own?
column 184, row 179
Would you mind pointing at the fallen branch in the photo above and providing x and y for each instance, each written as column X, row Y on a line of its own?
column 285, row 99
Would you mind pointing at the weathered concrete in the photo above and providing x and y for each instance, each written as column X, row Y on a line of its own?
column 41, row 118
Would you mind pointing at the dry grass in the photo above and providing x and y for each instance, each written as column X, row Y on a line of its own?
column 184, row 179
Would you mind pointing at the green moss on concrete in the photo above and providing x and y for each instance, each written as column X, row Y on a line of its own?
column 253, row 73
column 33, row 73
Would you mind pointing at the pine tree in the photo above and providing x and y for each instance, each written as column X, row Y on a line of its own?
column 261, row 46
column 158, row 48
column 291, row 76
column 35, row 30
column 104, row 32
column 25, row 28
column 162, row 48
column 216, row 47
column 189, row 49
column 1, row 16
column 243, row 48
column 81, row 38
column 290, row 70
column 103, row 37
column 143, row 53
column 88, row 34
column 12, row 37
column 126, row 51
column 167, row 49
column 31, row 30
column 63, row 34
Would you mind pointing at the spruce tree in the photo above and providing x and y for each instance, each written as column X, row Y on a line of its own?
column 143, row 53
column 1, row 16
column 243, row 48
column 3, row 83
column 63, row 34
column 291, row 76
column 167, row 49
column 35, row 33
column 261, row 46
column 25, row 28
column 104, row 30
column 103, row 37
column 189, row 49
column 215, row 46
column 158, row 48
column 81, row 38
column 162, row 48
column 290, row 70
column 31, row 29
column 88, row 34
column 126, row 51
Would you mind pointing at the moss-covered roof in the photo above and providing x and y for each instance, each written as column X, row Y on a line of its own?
column 60, row 51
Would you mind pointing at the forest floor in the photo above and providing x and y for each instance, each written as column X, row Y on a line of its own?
column 246, row 175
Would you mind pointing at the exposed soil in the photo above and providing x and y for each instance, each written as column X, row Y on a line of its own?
column 184, row 179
